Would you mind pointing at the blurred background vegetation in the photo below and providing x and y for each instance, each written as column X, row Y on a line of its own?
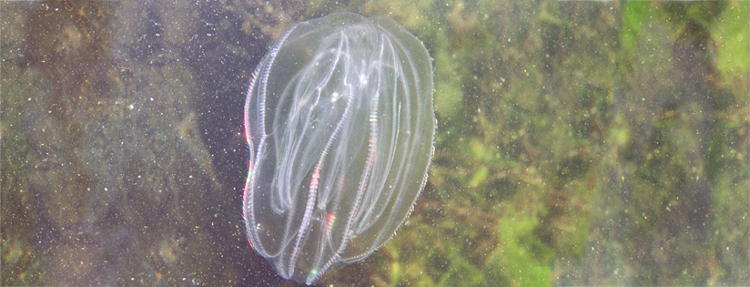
column 579, row 143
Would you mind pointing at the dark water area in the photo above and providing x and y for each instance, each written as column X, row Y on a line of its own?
column 578, row 143
column 136, row 141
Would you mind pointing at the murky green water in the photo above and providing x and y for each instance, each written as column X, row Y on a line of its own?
column 578, row 143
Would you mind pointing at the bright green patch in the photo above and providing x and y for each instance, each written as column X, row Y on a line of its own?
column 522, row 258
column 732, row 36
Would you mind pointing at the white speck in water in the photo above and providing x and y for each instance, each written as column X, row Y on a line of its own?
column 335, row 97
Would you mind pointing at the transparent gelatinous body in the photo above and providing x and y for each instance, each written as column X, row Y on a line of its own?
column 340, row 125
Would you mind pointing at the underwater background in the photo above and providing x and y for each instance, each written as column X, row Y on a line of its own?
column 578, row 143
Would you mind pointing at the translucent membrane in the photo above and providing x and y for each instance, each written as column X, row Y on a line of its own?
column 340, row 126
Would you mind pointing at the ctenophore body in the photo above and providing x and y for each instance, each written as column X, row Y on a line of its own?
column 340, row 126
